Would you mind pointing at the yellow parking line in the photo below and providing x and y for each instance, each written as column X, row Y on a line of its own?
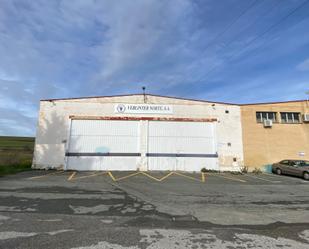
column 230, row 178
column 49, row 174
column 111, row 175
column 164, row 177
column 189, row 177
column 124, row 177
column 203, row 177
column 157, row 179
column 266, row 180
column 71, row 176
column 95, row 174
column 152, row 177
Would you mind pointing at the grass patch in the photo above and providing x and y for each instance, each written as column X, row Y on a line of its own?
column 15, row 154
column 16, row 143
column 13, row 169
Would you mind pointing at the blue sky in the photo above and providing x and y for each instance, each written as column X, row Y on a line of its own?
column 205, row 49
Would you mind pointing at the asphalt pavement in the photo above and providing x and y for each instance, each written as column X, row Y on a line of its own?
column 55, row 209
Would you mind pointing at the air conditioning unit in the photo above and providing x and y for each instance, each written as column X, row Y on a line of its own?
column 268, row 123
column 306, row 117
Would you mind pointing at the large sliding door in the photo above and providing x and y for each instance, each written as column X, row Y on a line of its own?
column 116, row 145
column 186, row 146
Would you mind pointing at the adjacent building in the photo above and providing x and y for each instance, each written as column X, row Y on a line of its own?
column 275, row 131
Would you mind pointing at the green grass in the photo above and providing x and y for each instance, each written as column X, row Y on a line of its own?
column 15, row 154
column 13, row 169
column 16, row 142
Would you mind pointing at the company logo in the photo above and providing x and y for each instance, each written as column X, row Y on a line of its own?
column 121, row 108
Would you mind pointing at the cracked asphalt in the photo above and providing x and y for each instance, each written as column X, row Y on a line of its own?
column 38, row 210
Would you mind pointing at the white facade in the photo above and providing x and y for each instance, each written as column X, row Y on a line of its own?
column 138, row 132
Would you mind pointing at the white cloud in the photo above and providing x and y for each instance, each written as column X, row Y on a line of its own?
column 303, row 66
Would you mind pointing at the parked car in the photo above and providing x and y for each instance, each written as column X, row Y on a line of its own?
column 292, row 167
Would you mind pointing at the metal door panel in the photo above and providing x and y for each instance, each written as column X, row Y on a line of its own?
column 186, row 146
column 103, row 145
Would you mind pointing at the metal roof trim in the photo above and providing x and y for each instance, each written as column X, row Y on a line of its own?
column 180, row 98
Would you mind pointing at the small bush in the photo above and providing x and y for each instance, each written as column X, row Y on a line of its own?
column 204, row 170
column 244, row 169
column 257, row 171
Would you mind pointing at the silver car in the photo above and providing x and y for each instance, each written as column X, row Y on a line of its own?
column 292, row 167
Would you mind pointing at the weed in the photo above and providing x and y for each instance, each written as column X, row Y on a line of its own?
column 244, row 169
column 257, row 171
column 204, row 170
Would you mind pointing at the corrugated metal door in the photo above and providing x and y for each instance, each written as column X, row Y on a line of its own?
column 186, row 146
column 103, row 145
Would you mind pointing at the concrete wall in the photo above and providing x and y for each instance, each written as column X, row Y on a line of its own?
column 54, row 124
column 264, row 146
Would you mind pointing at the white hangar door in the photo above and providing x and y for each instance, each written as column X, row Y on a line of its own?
column 185, row 146
column 103, row 145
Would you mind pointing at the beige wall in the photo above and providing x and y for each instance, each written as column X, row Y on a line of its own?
column 264, row 146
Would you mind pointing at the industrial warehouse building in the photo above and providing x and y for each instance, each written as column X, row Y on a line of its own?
column 152, row 132
column 138, row 132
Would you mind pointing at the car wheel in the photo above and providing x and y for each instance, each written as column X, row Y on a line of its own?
column 278, row 171
column 306, row 176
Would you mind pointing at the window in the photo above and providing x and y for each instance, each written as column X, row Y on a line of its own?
column 286, row 162
column 304, row 164
column 261, row 116
column 290, row 117
column 293, row 163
